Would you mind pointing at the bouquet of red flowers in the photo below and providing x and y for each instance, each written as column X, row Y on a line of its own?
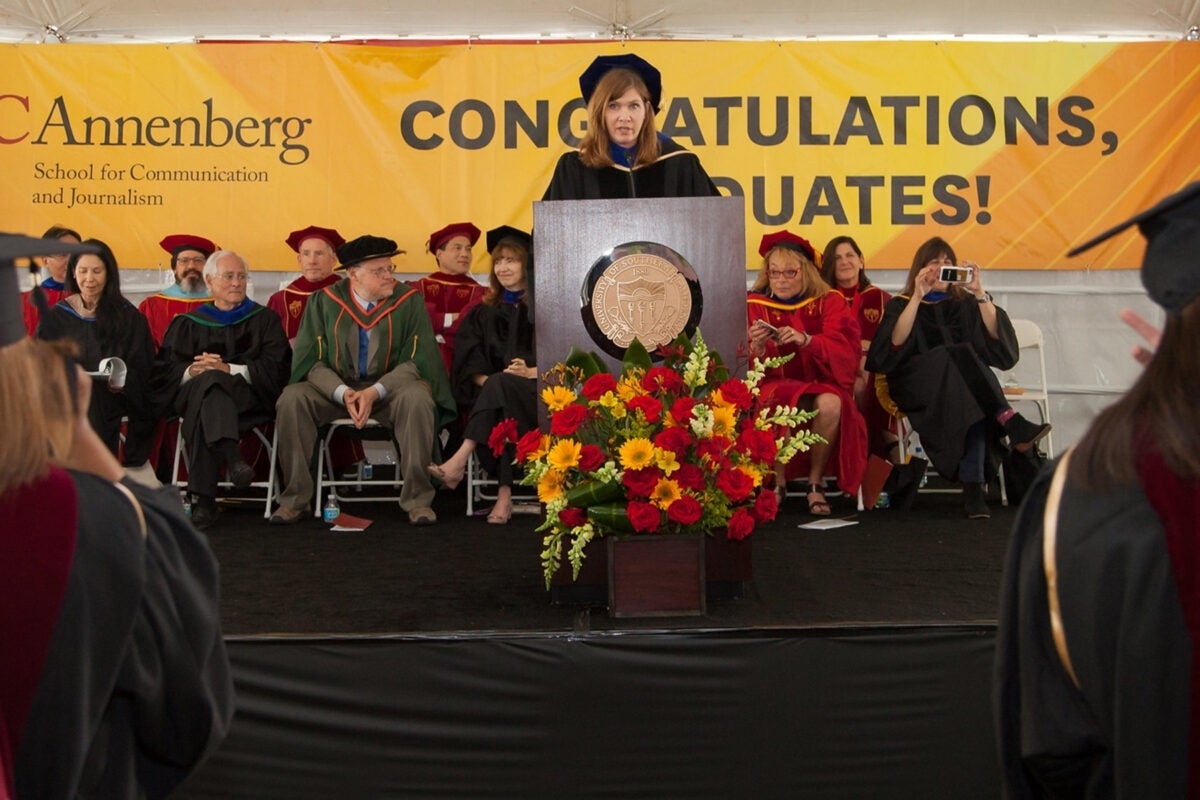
column 668, row 448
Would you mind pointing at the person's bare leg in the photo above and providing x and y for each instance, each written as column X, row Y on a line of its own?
column 826, row 424
column 451, row 471
column 502, row 511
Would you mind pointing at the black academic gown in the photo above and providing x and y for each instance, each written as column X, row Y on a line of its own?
column 128, row 339
column 135, row 689
column 676, row 173
column 1124, row 732
column 256, row 340
column 940, row 376
column 489, row 338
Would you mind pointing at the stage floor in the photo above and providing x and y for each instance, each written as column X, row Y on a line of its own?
column 929, row 565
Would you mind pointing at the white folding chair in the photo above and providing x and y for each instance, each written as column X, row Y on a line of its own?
column 327, row 479
column 481, row 488
column 1026, row 383
column 180, row 461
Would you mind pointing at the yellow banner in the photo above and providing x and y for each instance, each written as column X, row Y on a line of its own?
column 1013, row 152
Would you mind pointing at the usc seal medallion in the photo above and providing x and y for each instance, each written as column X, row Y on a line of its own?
column 640, row 290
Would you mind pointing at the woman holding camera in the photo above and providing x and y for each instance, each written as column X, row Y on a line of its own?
column 937, row 343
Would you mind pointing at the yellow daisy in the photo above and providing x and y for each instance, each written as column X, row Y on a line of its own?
column 564, row 454
column 718, row 400
column 724, row 421
column 636, row 453
column 754, row 472
column 557, row 398
column 665, row 492
column 550, row 486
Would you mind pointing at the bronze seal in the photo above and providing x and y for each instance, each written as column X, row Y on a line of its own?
column 641, row 290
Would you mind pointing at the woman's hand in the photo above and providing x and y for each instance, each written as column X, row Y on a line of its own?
column 975, row 285
column 1147, row 331
column 759, row 336
column 519, row 368
column 789, row 335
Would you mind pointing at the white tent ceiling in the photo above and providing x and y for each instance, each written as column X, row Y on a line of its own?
column 129, row 21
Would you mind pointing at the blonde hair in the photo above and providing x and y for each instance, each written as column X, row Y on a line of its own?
column 37, row 404
column 593, row 150
column 814, row 285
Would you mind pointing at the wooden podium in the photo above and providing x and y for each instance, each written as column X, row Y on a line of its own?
column 572, row 242
column 572, row 236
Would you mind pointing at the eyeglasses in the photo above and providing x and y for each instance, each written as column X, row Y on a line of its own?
column 190, row 260
column 381, row 272
column 233, row 277
column 783, row 273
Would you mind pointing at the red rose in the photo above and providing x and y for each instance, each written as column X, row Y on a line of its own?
column 595, row 386
column 662, row 379
column 685, row 511
column 735, row 392
column 566, row 421
column 650, row 407
column 766, row 505
column 681, row 410
column 758, row 445
column 591, row 458
column 677, row 440
column 740, row 524
column 504, row 433
column 641, row 482
column 713, row 448
column 572, row 517
column 643, row 516
column 529, row 443
column 736, row 484
column 690, row 476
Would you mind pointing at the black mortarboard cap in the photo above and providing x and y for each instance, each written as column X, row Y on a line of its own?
column 365, row 248
column 1171, row 265
column 602, row 64
column 497, row 235
column 12, row 247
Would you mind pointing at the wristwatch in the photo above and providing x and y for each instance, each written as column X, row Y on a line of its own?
column 987, row 298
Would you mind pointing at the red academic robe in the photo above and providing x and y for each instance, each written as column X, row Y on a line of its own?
column 290, row 301
column 867, row 305
column 447, row 299
column 54, row 293
column 829, row 364
column 160, row 309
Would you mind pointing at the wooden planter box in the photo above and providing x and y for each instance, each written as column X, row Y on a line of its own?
column 729, row 567
column 656, row 576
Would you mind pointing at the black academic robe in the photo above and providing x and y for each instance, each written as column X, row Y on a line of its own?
column 489, row 338
column 676, row 173
column 256, row 340
column 941, row 377
column 1124, row 732
column 128, row 339
column 134, row 689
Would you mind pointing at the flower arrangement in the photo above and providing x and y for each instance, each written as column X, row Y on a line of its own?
column 669, row 448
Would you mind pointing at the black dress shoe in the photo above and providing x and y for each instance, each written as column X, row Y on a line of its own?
column 975, row 501
column 204, row 516
column 240, row 474
column 1023, row 434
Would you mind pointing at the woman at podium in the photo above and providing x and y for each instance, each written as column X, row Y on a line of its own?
column 623, row 154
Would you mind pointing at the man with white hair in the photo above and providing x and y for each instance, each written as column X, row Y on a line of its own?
column 221, row 367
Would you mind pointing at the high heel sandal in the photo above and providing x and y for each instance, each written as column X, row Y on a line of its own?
column 821, row 507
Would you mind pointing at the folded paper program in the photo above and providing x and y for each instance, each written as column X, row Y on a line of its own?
column 113, row 370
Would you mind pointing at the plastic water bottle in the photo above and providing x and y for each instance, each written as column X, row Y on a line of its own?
column 332, row 510
column 368, row 470
column 187, row 503
column 883, row 501
column 919, row 452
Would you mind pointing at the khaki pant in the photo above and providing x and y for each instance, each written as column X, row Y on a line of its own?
column 302, row 409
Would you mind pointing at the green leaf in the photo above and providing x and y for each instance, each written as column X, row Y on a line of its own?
column 636, row 356
column 593, row 493
column 586, row 362
column 610, row 518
